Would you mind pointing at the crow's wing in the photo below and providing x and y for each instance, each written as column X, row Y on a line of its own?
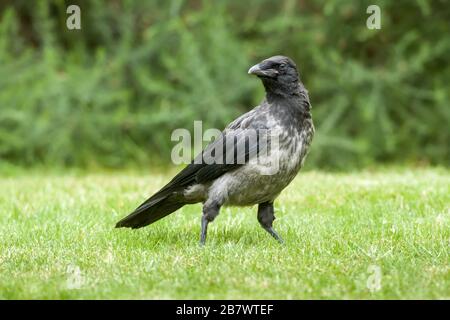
column 237, row 144
column 233, row 148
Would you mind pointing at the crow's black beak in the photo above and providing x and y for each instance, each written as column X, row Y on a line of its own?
column 256, row 70
column 260, row 71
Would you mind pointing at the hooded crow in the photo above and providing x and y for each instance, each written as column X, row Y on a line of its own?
column 251, row 162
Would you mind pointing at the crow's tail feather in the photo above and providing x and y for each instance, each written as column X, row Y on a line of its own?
column 151, row 211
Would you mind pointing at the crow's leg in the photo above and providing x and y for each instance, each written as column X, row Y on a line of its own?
column 266, row 217
column 210, row 211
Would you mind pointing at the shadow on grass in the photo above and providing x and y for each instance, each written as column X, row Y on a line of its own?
column 155, row 238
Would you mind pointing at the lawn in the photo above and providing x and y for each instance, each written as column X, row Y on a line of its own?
column 370, row 234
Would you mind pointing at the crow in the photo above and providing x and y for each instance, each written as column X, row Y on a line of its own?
column 243, row 170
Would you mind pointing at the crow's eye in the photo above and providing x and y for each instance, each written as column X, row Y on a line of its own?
column 282, row 66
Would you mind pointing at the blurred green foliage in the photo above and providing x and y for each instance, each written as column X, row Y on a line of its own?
column 110, row 94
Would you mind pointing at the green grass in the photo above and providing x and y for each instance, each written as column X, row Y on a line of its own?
column 57, row 240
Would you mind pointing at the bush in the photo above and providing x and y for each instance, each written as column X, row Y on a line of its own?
column 110, row 94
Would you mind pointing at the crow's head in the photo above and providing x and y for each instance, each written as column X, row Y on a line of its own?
column 278, row 73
